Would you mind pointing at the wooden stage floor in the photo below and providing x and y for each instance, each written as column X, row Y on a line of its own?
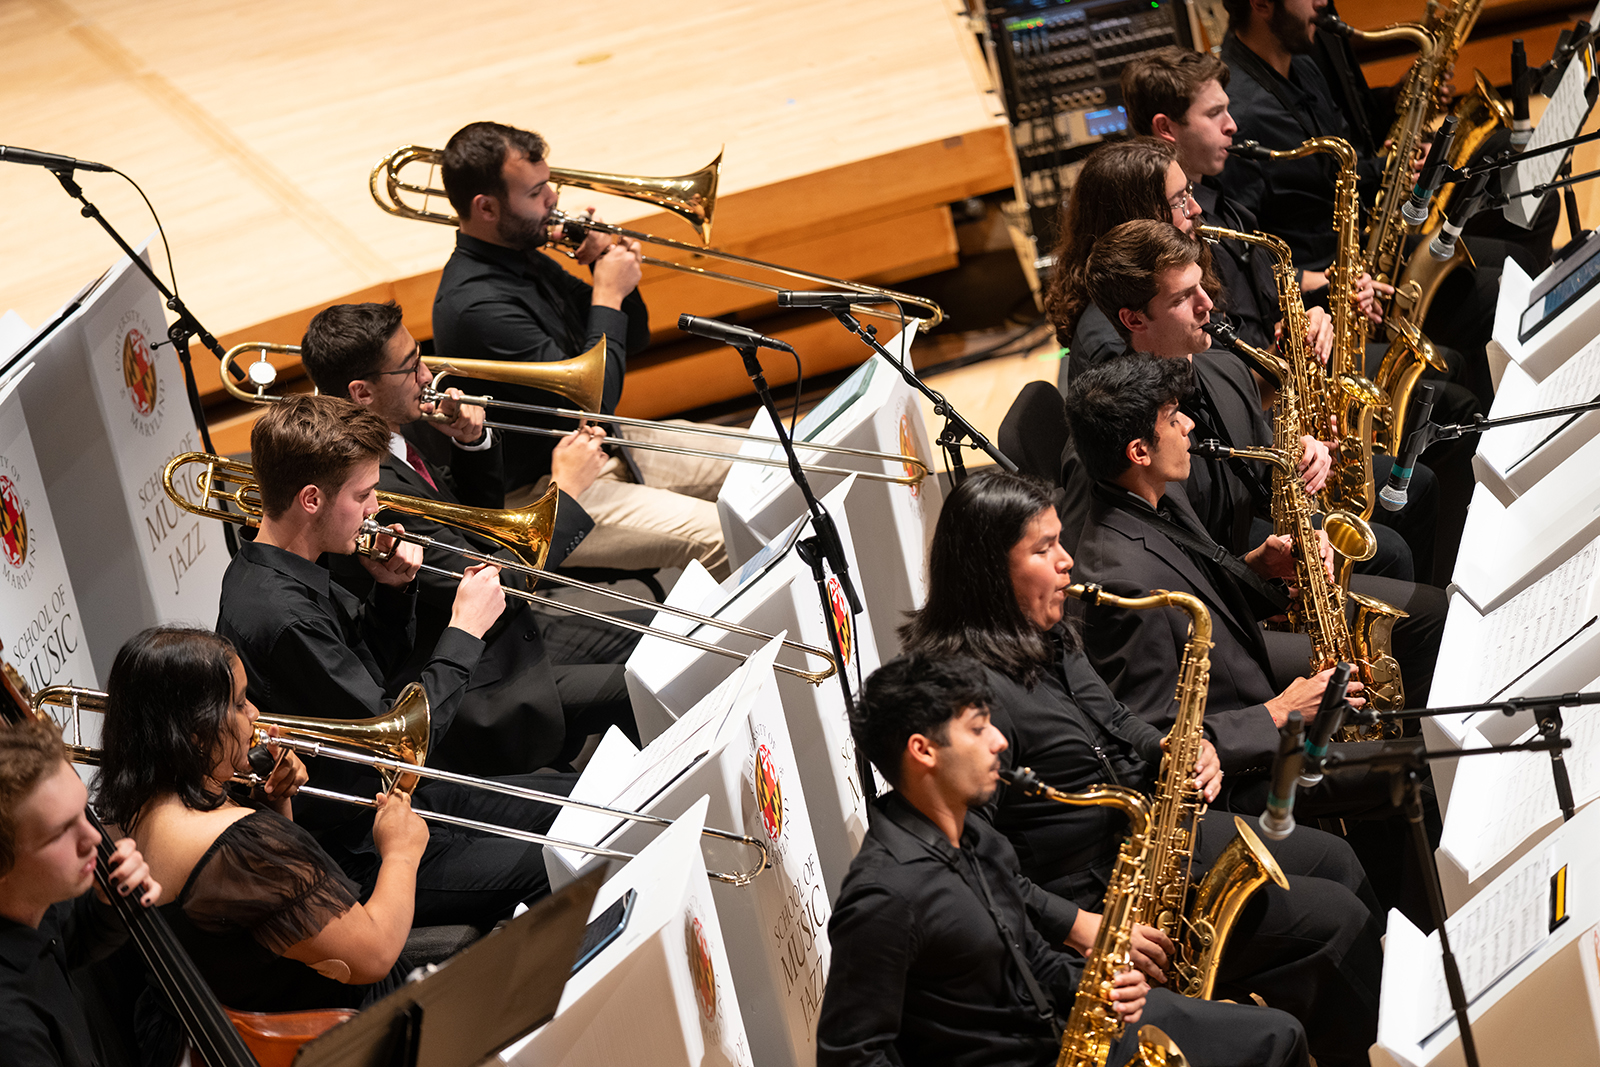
column 253, row 127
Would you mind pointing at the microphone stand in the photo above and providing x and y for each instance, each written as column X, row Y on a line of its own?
column 957, row 433
column 1406, row 762
column 178, row 334
column 823, row 547
column 1431, row 433
column 1546, row 716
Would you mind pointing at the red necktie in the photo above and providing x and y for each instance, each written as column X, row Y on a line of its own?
column 418, row 464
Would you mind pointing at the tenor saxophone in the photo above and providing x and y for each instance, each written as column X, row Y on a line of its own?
column 1345, row 391
column 1093, row 1026
column 1199, row 927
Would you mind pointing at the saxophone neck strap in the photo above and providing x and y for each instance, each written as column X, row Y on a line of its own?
column 1206, row 547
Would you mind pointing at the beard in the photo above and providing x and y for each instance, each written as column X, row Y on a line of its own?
column 525, row 235
column 1294, row 35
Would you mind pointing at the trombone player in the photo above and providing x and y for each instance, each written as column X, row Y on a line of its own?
column 542, row 685
column 309, row 647
column 498, row 299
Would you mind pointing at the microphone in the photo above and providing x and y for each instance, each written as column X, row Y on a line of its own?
column 1443, row 245
column 1415, row 210
column 1521, row 128
column 50, row 160
column 1277, row 822
column 1393, row 495
column 1330, row 716
column 729, row 334
column 804, row 298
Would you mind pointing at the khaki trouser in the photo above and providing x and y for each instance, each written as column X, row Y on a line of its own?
column 664, row 523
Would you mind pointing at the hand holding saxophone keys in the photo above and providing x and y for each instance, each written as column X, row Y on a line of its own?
column 1369, row 295
column 1272, row 558
column 392, row 562
column 1128, row 991
column 1305, row 696
column 1319, row 333
column 1315, row 464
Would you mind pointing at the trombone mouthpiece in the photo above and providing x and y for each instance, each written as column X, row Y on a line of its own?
column 1249, row 150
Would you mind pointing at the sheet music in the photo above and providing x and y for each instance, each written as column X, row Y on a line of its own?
column 1498, row 802
column 1489, row 936
column 1526, row 629
column 1563, row 118
column 1576, row 381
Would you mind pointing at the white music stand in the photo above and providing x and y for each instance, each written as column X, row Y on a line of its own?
column 1506, row 804
column 1506, row 548
column 1534, row 993
column 872, row 409
column 662, row 993
column 1511, row 460
column 1546, row 639
column 109, row 410
column 39, row 615
column 734, row 747
column 771, row 593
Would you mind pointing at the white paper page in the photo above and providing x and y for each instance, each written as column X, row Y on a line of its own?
column 1524, row 631
column 1576, row 381
column 1489, row 936
column 1498, row 802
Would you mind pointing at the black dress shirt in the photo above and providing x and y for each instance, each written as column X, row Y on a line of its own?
column 41, row 1021
column 1249, row 289
column 1074, row 733
column 311, row 648
column 1226, row 406
column 919, row 972
column 1290, row 198
column 498, row 303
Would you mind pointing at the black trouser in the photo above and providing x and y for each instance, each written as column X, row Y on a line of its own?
column 1217, row 1034
column 575, row 639
column 594, row 697
column 466, row 876
column 1315, row 950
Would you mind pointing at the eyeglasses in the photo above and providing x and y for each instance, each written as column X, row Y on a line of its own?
column 1180, row 202
column 410, row 369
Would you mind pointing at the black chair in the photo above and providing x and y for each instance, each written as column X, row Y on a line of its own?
column 1034, row 433
column 1036, row 437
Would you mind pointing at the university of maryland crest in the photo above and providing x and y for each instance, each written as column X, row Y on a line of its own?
column 908, row 448
column 700, row 969
column 136, row 366
column 839, row 610
column 139, row 371
column 13, row 524
column 769, row 792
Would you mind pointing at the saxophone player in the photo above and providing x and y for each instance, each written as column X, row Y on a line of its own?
column 936, row 959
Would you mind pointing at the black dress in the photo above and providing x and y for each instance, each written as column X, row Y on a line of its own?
column 263, row 886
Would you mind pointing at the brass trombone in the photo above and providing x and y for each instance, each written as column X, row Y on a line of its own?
column 579, row 379
column 396, row 745
column 690, row 196
column 525, row 531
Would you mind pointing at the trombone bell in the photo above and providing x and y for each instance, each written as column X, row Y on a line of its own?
column 692, row 197
column 399, row 734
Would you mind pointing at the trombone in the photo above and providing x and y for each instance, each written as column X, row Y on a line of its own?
column 396, row 745
column 691, row 197
column 579, row 379
column 525, row 531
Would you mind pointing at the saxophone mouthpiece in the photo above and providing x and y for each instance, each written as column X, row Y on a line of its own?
column 1088, row 592
column 1022, row 778
column 1222, row 331
column 1331, row 23
column 1210, row 449
column 1249, row 150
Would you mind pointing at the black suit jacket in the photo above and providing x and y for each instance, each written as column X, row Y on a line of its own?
column 1138, row 652
column 1226, row 493
column 511, row 719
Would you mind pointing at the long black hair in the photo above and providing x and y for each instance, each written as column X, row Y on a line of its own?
column 972, row 609
column 168, row 698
